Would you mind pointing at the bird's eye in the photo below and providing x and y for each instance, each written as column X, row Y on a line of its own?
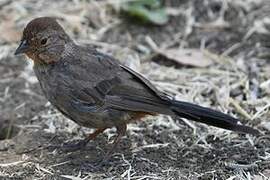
column 43, row 41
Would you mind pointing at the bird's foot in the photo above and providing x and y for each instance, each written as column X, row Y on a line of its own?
column 71, row 146
column 75, row 146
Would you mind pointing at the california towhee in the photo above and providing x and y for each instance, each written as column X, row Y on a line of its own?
column 96, row 91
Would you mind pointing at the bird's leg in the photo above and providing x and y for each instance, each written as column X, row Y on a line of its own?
column 94, row 135
column 121, row 131
column 83, row 143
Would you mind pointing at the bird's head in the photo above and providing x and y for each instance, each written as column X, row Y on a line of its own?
column 43, row 40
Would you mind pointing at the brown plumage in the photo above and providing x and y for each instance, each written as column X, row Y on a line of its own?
column 96, row 91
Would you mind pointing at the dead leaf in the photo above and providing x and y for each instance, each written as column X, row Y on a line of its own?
column 8, row 31
column 258, row 177
column 191, row 57
column 266, row 172
column 266, row 125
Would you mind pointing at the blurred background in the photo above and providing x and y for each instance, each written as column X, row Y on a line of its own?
column 210, row 52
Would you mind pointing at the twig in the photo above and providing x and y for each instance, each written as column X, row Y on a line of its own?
column 239, row 109
column 11, row 164
column 235, row 166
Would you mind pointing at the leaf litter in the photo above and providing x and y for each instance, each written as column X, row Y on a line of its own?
column 216, row 63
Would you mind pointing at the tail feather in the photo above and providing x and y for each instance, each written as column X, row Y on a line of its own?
column 210, row 117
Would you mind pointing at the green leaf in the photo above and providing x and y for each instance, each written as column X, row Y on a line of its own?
column 152, row 3
column 146, row 11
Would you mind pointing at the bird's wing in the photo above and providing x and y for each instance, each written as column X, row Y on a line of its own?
column 107, row 83
column 145, row 82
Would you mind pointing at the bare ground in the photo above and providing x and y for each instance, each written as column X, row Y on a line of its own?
column 233, row 34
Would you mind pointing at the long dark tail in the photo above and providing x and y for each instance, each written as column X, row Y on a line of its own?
column 210, row 117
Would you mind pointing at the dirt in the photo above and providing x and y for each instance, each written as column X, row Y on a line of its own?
column 33, row 135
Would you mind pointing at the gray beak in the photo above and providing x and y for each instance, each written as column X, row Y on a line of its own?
column 23, row 47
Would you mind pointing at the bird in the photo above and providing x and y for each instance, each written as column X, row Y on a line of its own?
column 95, row 90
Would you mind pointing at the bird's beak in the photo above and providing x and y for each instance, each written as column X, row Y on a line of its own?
column 23, row 47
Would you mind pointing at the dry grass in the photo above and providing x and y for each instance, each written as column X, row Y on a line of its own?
column 232, row 34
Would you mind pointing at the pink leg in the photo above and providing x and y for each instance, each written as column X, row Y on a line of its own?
column 121, row 131
column 94, row 134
